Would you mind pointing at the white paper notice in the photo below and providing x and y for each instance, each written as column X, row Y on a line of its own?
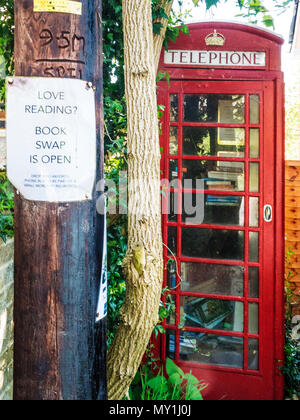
column 51, row 138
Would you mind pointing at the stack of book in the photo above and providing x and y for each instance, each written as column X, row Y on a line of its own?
column 225, row 179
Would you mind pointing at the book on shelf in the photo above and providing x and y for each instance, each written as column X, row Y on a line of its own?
column 222, row 187
column 237, row 177
column 233, row 199
column 217, row 184
column 227, row 167
column 217, row 181
column 222, row 201
column 224, row 175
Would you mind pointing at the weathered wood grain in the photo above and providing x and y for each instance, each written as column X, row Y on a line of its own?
column 292, row 226
column 58, row 246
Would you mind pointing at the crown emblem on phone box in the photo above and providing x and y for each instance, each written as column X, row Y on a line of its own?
column 215, row 38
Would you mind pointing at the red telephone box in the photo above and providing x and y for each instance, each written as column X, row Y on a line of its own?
column 223, row 159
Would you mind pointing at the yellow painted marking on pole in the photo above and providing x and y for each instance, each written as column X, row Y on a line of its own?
column 58, row 6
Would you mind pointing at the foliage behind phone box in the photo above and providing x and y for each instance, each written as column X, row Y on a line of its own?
column 6, row 42
column 6, row 208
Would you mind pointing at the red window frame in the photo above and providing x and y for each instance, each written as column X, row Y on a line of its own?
column 263, row 378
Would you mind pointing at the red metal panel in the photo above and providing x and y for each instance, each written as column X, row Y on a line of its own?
column 264, row 386
column 225, row 382
column 279, row 236
column 239, row 37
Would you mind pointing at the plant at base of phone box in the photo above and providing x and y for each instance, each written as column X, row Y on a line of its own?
column 291, row 366
column 6, row 208
column 178, row 386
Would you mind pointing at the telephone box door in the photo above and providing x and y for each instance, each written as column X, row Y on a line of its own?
column 218, row 228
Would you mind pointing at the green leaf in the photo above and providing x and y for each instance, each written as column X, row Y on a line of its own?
column 211, row 3
column 185, row 29
column 175, row 379
column 268, row 21
column 158, row 383
column 157, row 27
column 195, row 395
column 161, row 329
column 191, row 379
column 172, row 368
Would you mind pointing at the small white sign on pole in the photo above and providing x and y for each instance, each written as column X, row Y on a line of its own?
column 51, row 138
column 102, row 299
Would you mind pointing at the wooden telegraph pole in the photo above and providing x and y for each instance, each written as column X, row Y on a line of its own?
column 59, row 350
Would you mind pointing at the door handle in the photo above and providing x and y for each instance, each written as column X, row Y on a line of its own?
column 268, row 213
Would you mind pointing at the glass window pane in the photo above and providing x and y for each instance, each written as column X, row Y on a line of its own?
column 212, row 279
column 254, row 246
column 254, row 178
column 214, row 108
column 219, row 176
column 254, row 142
column 213, row 314
column 254, row 212
column 212, row 141
column 173, row 173
column 171, row 320
column 212, row 349
column 253, row 318
column 173, row 145
column 173, row 207
column 172, row 240
column 254, row 282
column 170, row 344
column 254, row 109
column 213, row 243
column 253, row 362
column 193, row 208
column 174, row 108
column 172, row 274
column 213, row 210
